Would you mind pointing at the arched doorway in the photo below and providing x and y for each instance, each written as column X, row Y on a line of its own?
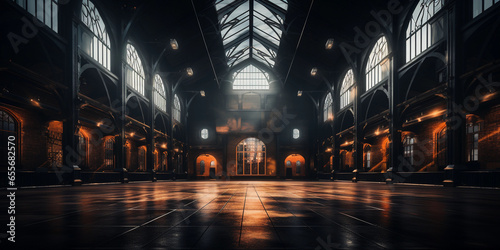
column 295, row 165
column 251, row 157
column 206, row 165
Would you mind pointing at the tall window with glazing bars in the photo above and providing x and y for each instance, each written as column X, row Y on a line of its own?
column 44, row 10
column 479, row 6
column 176, row 109
column 424, row 31
column 377, row 68
column 134, row 72
column 346, row 91
column 96, row 42
column 160, row 98
column 328, row 108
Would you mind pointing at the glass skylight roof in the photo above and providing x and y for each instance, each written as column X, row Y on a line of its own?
column 251, row 29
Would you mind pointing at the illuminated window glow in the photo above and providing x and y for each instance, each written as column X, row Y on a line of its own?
column 44, row 10
column 346, row 90
column 160, row 98
column 176, row 109
column 134, row 72
column 98, row 46
column 204, row 134
column 252, row 78
column 328, row 108
column 251, row 29
column 377, row 68
column 251, row 157
column 421, row 32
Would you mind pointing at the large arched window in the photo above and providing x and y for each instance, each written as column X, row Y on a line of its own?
column 421, row 32
column 134, row 72
column 251, row 77
column 377, row 68
column 8, row 135
column 328, row 108
column 44, row 10
column 160, row 98
column 346, row 92
column 96, row 44
column 176, row 109
column 251, row 157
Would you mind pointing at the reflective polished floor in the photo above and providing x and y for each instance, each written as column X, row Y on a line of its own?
column 256, row 215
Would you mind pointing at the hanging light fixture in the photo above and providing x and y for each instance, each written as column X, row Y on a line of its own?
column 174, row 44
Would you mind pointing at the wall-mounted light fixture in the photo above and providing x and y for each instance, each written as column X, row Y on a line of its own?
column 189, row 71
column 299, row 93
column 174, row 44
column 202, row 93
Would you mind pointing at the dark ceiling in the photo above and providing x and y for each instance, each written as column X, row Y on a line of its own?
column 312, row 22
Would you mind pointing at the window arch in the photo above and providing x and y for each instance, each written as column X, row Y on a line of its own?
column 377, row 68
column 45, row 11
column 8, row 133
column 160, row 96
column 328, row 108
column 204, row 134
column 98, row 47
column 296, row 133
column 251, row 157
column 176, row 109
column 251, row 77
column 134, row 72
column 409, row 144
column 421, row 32
column 347, row 89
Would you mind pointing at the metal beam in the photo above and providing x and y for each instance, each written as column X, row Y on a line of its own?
column 298, row 43
column 205, row 43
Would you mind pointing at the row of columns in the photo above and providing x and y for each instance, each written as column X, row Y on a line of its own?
column 455, row 130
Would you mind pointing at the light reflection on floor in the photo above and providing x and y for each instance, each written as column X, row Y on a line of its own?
column 257, row 215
